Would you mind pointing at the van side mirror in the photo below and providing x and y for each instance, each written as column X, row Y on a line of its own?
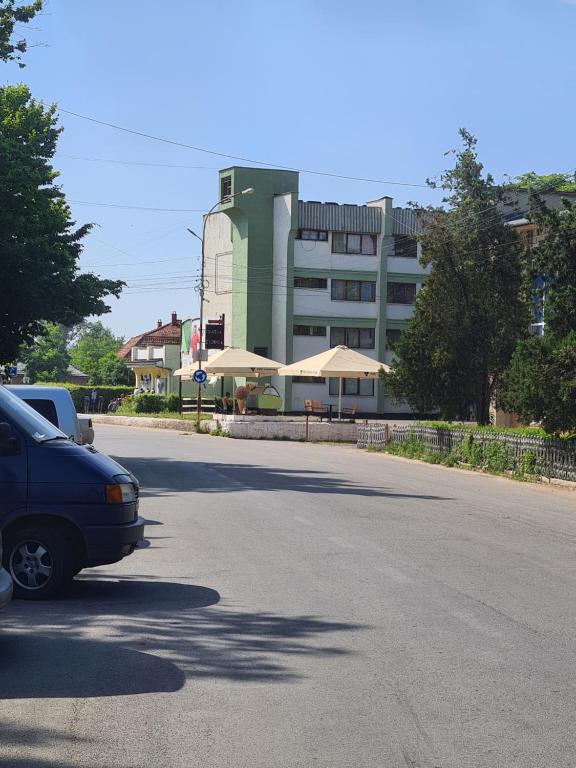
column 8, row 443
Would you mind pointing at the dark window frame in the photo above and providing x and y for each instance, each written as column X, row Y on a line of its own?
column 308, row 380
column 395, row 291
column 346, row 251
column 392, row 336
column 225, row 187
column 405, row 246
column 310, row 330
column 321, row 235
column 352, row 285
column 347, row 385
column 348, row 337
column 322, row 283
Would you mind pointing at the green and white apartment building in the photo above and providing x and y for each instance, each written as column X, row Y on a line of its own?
column 294, row 278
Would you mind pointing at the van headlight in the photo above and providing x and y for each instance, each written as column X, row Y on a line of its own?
column 121, row 492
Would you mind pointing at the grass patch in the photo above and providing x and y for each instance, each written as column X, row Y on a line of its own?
column 496, row 458
column 124, row 410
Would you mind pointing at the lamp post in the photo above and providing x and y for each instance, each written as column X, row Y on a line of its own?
column 226, row 199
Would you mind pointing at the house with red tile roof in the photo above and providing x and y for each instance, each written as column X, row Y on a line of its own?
column 154, row 356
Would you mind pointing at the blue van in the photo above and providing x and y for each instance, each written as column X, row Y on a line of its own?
column 63, row 506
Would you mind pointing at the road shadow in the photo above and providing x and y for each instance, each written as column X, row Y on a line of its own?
column 114, row 636
column 161, row 476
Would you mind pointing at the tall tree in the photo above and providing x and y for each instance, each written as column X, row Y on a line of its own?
column 48, row 358
column 11, row 14
column 39, row 242
column 541, row 382
column 95, row 354
column 472, row 309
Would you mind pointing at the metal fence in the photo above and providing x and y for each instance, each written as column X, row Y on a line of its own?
column 552, row 458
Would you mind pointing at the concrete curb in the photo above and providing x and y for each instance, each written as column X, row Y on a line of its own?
column 178, row 425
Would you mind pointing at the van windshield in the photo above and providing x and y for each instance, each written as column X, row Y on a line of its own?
column 29, row 420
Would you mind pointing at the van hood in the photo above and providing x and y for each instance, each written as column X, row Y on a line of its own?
column 54, row 461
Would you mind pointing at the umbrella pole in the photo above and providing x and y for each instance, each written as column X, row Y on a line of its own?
column 340, row 400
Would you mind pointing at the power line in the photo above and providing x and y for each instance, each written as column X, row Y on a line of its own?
column 174, row 143
column 138, row 207
column 139, row 163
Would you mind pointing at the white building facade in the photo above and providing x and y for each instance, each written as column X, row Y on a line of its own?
column 294, row 278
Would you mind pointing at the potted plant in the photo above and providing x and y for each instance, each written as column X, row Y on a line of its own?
column 241, row 395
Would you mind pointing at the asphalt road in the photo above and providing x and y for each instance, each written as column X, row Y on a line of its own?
column 305, row 606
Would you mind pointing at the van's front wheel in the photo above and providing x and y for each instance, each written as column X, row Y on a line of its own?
column 38, row 560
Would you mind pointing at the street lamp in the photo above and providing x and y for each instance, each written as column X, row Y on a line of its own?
column 226, row 199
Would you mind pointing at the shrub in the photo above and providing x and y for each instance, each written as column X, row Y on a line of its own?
column 80, row 391
column 172, row 403
column 148, row 403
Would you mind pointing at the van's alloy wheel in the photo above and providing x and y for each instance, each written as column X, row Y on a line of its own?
column 38, row 559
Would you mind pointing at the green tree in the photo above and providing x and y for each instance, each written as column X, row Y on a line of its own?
column 94, row 353
column 11, row 14
column 472, row 309
column 541, row 382
column 39, row 242
column 550, row 182
column 48, row 358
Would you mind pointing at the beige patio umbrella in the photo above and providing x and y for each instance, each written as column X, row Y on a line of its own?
column 232, row 361
column 339, row 363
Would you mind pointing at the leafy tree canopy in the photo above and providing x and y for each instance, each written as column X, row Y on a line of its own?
column 48, row 359
column 94, row 353
column 550, row 182
column 541, row 382
column 471, row 310
column 11, row 14
column 39, row 242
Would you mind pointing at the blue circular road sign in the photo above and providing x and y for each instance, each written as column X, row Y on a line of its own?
column 200, row 376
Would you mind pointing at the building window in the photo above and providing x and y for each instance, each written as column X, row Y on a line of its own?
column 358, row 387
column 225, row 187
column 353, row 290
column 309, row 330
column 405, row 246
column 312, row 234
column 262, row 351
column 348, row 242
column 355, row 338
column 392, row 336
column 311, row 282
column 308, row 380
column 401, row 293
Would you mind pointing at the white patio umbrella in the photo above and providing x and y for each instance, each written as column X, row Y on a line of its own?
column 232, row 361
column 339, row 363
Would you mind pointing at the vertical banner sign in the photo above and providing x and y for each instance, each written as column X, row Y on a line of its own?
column 185, row 357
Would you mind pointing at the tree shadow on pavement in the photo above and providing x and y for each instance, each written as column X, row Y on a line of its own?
column 113, row 636
column 161, row 476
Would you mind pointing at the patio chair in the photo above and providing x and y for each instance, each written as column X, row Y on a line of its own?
column 349, row 413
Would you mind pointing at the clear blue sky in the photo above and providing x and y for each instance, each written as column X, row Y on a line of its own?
column 372, row 88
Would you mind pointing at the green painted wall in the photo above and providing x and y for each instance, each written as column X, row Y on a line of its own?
column 252, row 218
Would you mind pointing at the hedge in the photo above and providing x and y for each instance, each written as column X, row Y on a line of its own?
column 80, row 391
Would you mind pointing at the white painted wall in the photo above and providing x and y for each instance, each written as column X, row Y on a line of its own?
column 218, row 271
column 399, row 311
column 315, row 255
column 409, row 266
column 318, row 302
column 280, row 288
column 306, row 346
